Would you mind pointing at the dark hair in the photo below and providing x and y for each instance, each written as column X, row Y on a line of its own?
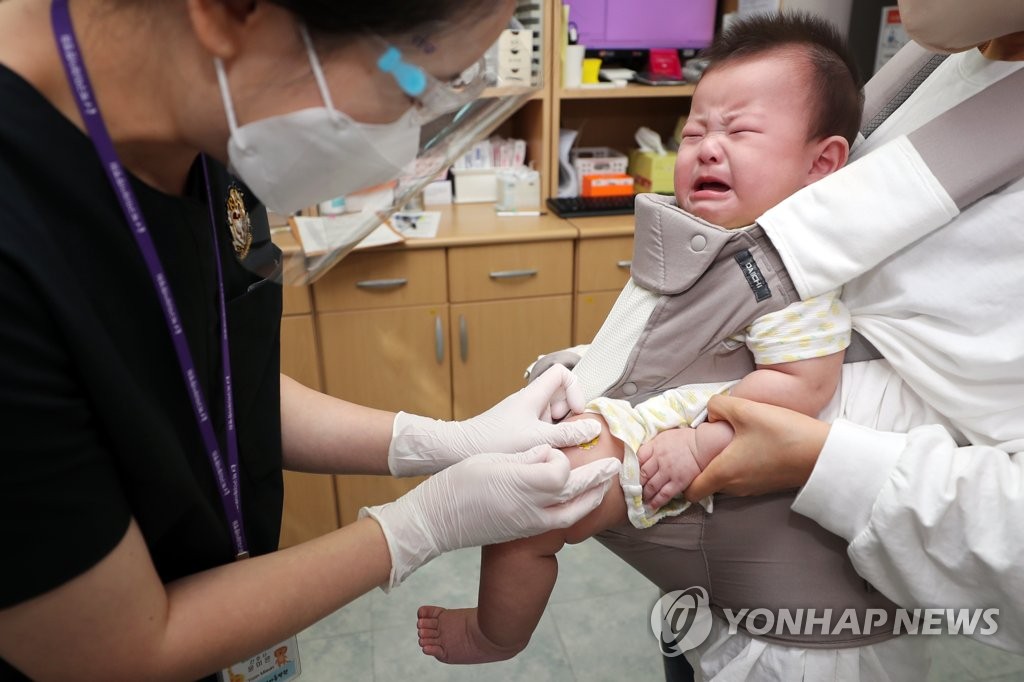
column 835, row 89
column 331, row 18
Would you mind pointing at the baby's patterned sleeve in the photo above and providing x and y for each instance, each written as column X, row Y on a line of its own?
column 813, row 328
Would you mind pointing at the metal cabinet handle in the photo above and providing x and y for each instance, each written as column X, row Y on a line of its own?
column 382, row 283
column 463, row 339
column 625, row 264
column 438, row 340
column 513, row 274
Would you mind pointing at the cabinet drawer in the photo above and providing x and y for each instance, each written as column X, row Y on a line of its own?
column 379, row 280
column 481, row 273
column 604, row 263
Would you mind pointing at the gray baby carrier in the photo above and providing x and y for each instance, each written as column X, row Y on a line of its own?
column 712, row 283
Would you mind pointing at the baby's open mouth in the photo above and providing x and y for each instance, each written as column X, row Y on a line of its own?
column 712, row 186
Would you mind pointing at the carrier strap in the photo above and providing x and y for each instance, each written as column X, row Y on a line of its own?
column 860, row 349
column 973, row 149
column 895, row 82
column 970, row 148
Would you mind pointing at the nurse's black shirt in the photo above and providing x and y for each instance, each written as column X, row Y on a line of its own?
column 95, row 423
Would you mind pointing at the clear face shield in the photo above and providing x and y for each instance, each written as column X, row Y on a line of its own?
column 433, row 98
column 451, row 115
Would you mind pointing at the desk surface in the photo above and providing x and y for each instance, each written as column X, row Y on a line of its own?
column 471, row 224
column 477, row 224
column 604, row 226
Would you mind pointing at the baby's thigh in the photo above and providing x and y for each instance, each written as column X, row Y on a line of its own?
column 612, row 510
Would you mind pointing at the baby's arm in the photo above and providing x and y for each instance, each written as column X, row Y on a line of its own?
column 798, row 353
column 805, row 386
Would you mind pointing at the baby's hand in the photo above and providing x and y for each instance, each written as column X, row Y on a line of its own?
column 667, row 465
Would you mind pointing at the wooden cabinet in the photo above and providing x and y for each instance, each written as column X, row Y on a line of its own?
column 591, row 309
column 497, row 340
column 443, row 328
column 509, row 304
column 383, row 320
column 519, row 270
column 383, row 279
column 310, row 508
column 392, row 358
column 604, row 254
column 384, row 331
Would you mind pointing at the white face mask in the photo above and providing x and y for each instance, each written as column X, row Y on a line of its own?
column 958, row 25
column 304, row 157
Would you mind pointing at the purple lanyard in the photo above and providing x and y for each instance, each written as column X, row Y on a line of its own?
column 78, row 79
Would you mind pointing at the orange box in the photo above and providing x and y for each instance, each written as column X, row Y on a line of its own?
column 607, row 185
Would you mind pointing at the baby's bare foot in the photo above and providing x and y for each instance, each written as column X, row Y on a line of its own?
column 454, row 636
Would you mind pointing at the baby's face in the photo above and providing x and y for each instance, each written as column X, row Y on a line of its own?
column 745, row 145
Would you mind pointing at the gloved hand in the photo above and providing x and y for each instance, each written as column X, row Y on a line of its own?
column 420, row 445
column 487, row 499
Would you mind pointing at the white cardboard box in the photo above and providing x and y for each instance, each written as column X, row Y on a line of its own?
column 475, row 185
column 515, row 57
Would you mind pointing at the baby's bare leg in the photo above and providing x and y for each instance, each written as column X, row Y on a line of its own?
column 516, row 579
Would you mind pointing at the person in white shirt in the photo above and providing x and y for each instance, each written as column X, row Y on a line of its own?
column 927, row 515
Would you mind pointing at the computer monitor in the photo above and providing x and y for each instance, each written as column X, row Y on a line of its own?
column 623, row 25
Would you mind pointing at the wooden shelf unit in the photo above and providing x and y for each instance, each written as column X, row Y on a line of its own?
column 630, row 91
column 604, row 117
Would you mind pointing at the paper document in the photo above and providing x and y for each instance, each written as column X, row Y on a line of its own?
column 416, row 224
column 320, row 235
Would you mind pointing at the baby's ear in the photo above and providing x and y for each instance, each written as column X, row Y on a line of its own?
column 831, row 154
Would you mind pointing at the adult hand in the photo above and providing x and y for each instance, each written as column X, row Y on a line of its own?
column 773, row 449
column 424, row 446
column 487, row 499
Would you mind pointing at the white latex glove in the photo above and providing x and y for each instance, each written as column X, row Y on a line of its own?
column 487, row 499
column 420, row 445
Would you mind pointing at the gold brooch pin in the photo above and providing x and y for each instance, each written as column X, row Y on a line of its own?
column 238, row 221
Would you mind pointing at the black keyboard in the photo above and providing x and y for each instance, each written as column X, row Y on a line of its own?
column 578, row 207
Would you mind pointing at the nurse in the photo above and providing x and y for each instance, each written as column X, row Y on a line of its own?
column 144, row 419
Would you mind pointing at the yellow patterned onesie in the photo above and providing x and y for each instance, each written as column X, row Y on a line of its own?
column 813, row 328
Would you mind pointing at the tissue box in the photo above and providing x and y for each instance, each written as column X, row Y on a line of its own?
column 518, row 190
column 653, row 172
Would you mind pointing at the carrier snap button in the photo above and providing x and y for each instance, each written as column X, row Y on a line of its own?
column 629, row 388
column 698, row 242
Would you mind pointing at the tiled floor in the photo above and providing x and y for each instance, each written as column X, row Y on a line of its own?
column 595, row 629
